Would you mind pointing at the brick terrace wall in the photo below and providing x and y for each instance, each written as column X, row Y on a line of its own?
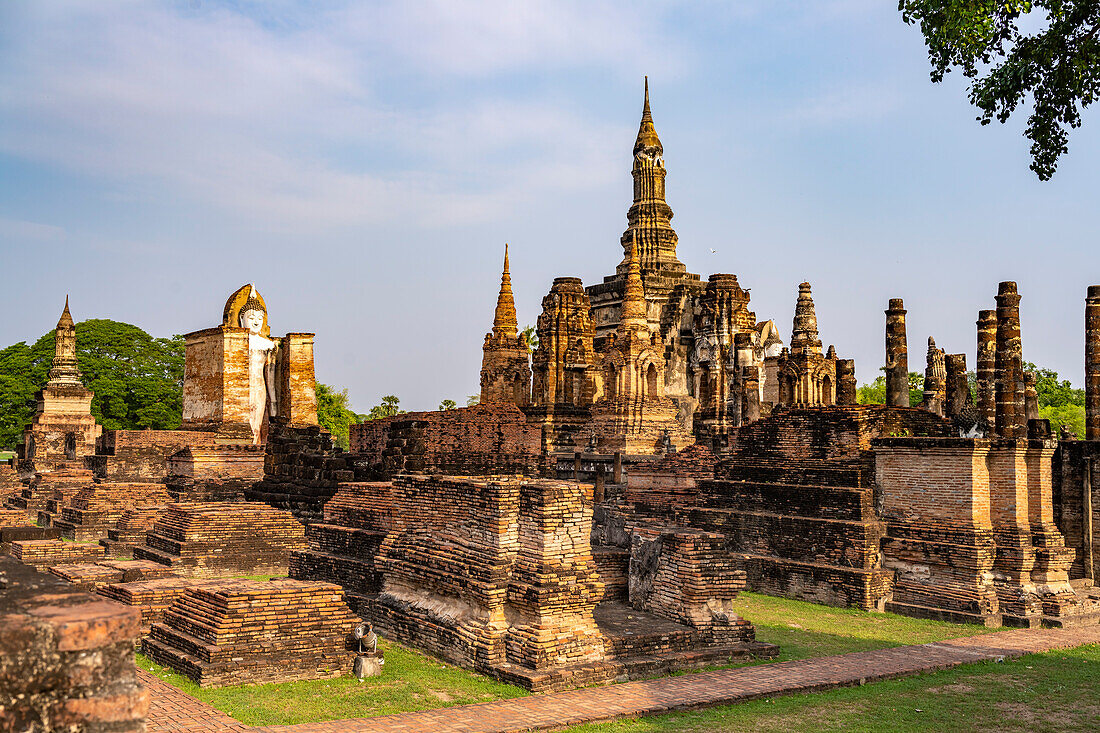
column 1069, row 500
column 465, row 549
column 683, row 468
column 940, row 542
column 481, row 440
column 301, row 471
column 142, row 455
column 68, row 661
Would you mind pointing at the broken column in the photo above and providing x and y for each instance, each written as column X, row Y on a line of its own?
column 750, row 394
column 1092, row 363
column 1009, row 383
column 986, row 367
column 1031, row 397
column 846, row 381
column 958, row 389
column 897, row 356
column 935, row 379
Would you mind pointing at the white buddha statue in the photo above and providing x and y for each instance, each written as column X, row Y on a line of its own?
column 262, row 397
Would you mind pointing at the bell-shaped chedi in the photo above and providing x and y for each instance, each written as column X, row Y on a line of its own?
column 62, row 429
column 238, row 380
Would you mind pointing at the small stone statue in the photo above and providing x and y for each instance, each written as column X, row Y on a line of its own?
column 369, row 661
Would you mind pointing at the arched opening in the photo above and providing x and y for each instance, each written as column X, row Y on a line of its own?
column 610, row 383
column 827, row 391
column 651, row 382
column 786, row 389
column 70, row 446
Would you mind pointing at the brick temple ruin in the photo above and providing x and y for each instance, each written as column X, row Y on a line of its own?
column 593, row 519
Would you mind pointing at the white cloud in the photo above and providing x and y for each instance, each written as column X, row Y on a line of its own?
column 16, row 230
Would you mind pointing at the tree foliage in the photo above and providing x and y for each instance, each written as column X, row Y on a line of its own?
column 334, row 415
column 447, row 405
column 388, row 408
column 531, row 338
column 874, row 393
column 1059, row 401
column 137, row 379
column 1057, row 66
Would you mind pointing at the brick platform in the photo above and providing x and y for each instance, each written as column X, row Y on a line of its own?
column 219, row 539
column 154, row 597
column 252, row 632
column 171, row 711
column 42, row 554
column 92, row 511
column 130, row 530
column 92, row 576
column 32, row 498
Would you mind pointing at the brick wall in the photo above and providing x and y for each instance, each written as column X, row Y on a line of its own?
column 480, row 440
column 1069, row 500
column 142, row 455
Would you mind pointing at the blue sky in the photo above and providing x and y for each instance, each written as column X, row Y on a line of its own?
column 364, row 164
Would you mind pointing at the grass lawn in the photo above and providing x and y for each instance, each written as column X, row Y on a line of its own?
column 1056, row 691
column 410, row 681
column 414, row 681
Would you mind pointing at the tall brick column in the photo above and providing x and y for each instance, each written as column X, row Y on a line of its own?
column 986, row 367
column 1092, row 363
column 1011, row 421
column 897, row 356
column 846, row 381
column 958, row 389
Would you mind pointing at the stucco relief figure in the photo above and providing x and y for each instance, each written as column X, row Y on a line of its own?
column 262, row 398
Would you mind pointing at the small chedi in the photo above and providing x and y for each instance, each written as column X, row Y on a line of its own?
column 62, row 430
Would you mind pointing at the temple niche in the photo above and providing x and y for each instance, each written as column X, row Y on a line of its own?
column 238, row 380
column 62, row 429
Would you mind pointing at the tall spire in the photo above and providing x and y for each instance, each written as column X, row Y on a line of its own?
column 649, row 218
column 64, row 369
column 504, row 320
column 632, row 317
column 804, row 336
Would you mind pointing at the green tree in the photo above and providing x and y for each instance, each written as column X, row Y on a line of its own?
column 1055, row 67
column 447, row 405
column 388, row 408
column 1059, row 401
column 137, row 379
column 472, row 400
column 874, row 393
column 333, row 413
column 531, row 337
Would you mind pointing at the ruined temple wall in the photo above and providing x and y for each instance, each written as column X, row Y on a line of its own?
column 480, row 440
column 142, row 455
column 1071, row 506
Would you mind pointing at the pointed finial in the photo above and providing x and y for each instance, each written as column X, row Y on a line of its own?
column 505, row 324
column 647, row 133
column 66, row 320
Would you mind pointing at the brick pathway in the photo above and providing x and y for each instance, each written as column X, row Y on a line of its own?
column 171, row 710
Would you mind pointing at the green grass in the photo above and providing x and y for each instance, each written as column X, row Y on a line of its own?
column 409, row 681
column 805, row 630
column 414, row 681
column 1055, row 691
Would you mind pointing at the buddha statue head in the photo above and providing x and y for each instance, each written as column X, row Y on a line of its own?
column 246, row 309
column 253, row 313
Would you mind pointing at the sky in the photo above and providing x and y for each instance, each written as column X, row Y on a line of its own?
column 364, row 164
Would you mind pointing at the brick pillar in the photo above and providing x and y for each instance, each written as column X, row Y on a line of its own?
column 1009, row 392
column 1092, row 363
column 1009, row 512
column 750, row 394
column 958, row 389
column 986, row 367
column 897, row 356
column 846, row 381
